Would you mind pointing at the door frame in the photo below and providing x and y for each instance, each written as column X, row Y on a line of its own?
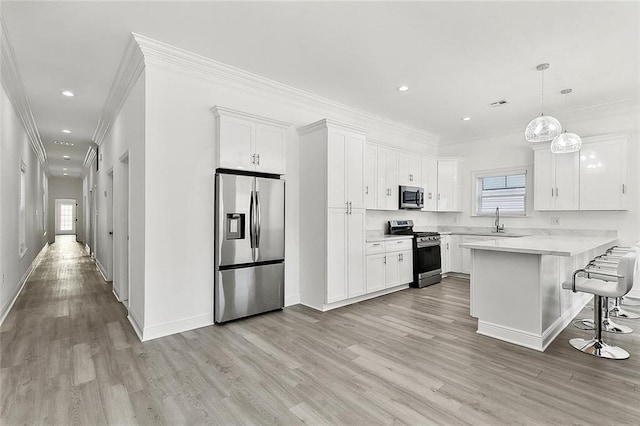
column 65, row 201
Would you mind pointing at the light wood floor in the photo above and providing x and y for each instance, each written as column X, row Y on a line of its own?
column 69, row 356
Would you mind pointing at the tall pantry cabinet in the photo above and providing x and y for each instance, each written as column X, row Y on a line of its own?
column 332, row 213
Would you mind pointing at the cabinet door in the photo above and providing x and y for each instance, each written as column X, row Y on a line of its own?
column 270, row 146
column 445, row 253
column 430, row 184
column 567, row 181
column 336, row 169
column 370, row 167
column 603, row 172
column 355, row 252
column 405, row 267
column 415, row 170
column 236, row 144
column 447, row 185
column 455, row 254
column 543, row 180
column 336, row 255
column 392, row 269
column 382, row 191
column 391, row 179
column 404, row 174
column 354, row 153
column 375, row 272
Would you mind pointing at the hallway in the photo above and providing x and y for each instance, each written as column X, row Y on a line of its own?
column 69, row 356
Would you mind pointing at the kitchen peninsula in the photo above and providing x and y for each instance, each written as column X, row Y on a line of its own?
column 516, row 285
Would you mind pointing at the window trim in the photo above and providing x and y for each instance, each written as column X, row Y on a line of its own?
column 477, row 174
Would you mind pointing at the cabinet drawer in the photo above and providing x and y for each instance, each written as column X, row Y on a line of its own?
column 375, row 248
column 398, row 245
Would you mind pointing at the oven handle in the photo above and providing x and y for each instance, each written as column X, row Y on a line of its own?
column 426, row 245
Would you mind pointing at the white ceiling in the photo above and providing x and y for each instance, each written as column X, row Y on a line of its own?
column 456, row 57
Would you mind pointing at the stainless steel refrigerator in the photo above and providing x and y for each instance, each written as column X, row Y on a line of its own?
column 249, row 246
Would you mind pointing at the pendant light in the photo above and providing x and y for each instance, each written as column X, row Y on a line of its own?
column 545, row 127
column 566, row 142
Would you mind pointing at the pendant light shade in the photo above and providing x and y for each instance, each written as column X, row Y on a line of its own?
column 542, row 129
column 565, row 143
column 545, row 127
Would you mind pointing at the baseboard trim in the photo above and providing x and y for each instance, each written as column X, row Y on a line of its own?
column 135, row 324
column 115, row 293
column 4, row 311
column 340, row 304
column 292, row 300
column 565, row 319
column 101, row 269
column 167, row 329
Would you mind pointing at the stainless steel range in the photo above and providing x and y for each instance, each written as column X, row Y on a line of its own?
column 427, row 266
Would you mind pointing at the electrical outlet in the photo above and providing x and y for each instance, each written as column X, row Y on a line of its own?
column 555, row 221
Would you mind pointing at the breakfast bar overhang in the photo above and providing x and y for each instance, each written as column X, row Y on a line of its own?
column 516, row 285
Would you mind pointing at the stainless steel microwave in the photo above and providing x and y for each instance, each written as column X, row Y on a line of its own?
column 411, row 197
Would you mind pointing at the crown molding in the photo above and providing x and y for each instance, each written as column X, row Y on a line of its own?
column 326, row 123
column 88, row 159
column 14, row 88
column 224, row 111
column 169, row 57
column 129, row 70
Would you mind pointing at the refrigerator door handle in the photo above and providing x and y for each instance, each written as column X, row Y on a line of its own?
column 251, row 223
column 258, row 221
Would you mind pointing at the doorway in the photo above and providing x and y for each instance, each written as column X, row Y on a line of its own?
column 65, row 216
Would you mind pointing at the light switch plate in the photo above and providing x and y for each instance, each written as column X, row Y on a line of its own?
column 555, row 221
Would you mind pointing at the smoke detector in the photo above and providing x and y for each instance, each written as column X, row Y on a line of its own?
column 498, row 103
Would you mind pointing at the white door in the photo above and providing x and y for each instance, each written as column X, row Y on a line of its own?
column 236, row 144
column 391, row 271
column 415, row 171
column 354, row 152
column 356, row 252
column 369, row 171
column 123, row 239
column 391, row 180
column 336, row 170
column 543, row 181
column 567, row 178
column 336, row 255
column 447, row 185
column 109, row 245
column 430, row 184
column 404, row 174
column 603, row 176
column 270, row 149
column 375, row 272
column 382, row 191
column 65, row 216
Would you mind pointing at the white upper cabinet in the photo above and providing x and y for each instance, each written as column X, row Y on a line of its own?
column 370, row 176
column 249, row 142
column 345, row 157
column 603, row 173
column 409, row 169
column 556, row 180
column 448, row 182
column 430, row 184
column 387, row 182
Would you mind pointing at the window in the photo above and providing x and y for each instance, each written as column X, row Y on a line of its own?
column 66, row 217
column 504, row 189
column 22, row 213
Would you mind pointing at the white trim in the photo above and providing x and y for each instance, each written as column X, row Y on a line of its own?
column 169, row 57
column 224, row 111
column 115, row 293
column 327, row 307
column 14, row 87
column 292, row 300
column 564, row 320
column 528, row 201
column 135, row 324
column 174, row 327
column 6, row 308
column 101, row 269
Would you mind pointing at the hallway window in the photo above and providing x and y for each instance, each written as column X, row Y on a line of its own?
column 22, row 213
column 66, row 217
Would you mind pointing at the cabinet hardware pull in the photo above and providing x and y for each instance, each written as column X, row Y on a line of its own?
column 253, row 159
column 556, row 192
column 438, row 195
column 623, row 188
column 400, row 257
column 447, row 246
column 385, row 260
column 258, row 159
column 366, row 189
column 350, row 207
column 552, row 192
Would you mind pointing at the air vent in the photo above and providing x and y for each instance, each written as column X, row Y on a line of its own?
column 498, row 103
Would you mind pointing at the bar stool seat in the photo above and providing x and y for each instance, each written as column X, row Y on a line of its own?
column 596, row 284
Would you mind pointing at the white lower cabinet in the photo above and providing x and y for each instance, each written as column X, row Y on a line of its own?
column 445, row 253
column 345, row 254
column 389, row 264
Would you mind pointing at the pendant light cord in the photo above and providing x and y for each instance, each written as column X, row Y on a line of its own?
column 542, row 96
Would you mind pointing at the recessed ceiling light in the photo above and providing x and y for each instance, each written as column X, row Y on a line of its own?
column 66, row 174
column 65, row 169
column 66, row 157
column 63, row 143
column 466, row 118
column 68, row 93
column 403, row 88
column 66, row 131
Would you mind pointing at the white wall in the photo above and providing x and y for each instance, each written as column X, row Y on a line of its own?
column 123, row 147
column 70, row 188
column 512, row 150
column 14, row 150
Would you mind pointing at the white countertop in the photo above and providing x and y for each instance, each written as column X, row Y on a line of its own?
column 386, row 237
column 547, row 245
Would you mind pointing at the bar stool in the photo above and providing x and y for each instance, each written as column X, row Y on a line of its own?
column 625, row 275
column 610, row 259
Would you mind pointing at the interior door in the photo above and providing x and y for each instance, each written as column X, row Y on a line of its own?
column 65, row 217
column 270, row 219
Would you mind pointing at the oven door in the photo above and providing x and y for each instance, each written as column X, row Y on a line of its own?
column 427, row 266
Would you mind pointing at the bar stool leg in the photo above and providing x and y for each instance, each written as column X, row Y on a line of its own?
column 607, row 325
column 618, row 312
column 596, row 346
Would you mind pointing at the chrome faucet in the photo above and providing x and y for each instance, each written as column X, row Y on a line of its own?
column 499, row 228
